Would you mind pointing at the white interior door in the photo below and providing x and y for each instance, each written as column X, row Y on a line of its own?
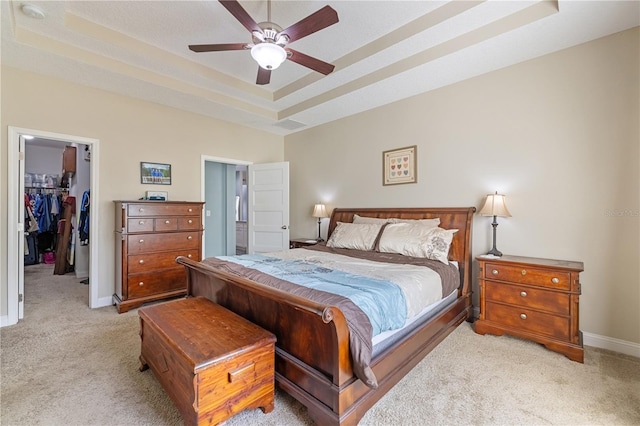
column 268, row 207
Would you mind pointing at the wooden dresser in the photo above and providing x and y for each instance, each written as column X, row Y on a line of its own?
column 149, row 237
column 210, row 361
column 534, row 299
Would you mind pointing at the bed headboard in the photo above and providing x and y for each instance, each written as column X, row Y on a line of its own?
column 459, row 218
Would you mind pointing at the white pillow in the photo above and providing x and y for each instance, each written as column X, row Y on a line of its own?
column 357, row 236
column 431, row 223
column 365, row 219
column 417, row 240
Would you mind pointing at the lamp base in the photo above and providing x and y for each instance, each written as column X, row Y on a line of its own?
column 495, row 252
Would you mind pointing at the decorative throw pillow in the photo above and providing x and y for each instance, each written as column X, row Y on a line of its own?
column 357, row 236
column 438, row 244
column 417, row 240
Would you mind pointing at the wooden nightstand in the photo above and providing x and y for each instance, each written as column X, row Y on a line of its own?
column 534, row 299
column 302, row 242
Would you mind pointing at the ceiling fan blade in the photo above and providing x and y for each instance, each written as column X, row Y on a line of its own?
column 310, row 62
column 264, row 76
column 217, row 47
column 312, row 23
column 241, row 15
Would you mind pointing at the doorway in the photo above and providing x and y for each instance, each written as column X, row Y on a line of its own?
column 267, row 206
column 224, row 191
column 16, row 214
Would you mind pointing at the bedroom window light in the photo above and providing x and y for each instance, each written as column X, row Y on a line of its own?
column 495, row 206
column 319, row 211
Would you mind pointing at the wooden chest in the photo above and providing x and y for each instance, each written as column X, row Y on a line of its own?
column 210, row 361
column 150, row 235
column 535, row 299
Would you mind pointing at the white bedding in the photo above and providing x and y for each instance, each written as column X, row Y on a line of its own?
column 421, row 286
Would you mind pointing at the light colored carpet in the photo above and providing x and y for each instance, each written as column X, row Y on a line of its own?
column 66, row 364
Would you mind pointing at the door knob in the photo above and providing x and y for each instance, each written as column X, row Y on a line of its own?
column 284, row 226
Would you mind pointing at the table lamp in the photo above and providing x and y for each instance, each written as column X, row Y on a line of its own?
column 319, row 211
column 495, row 206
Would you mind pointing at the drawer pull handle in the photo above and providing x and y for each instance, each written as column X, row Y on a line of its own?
column 190, row 210
column 555, row 280
column 167, row 222
column 523, row 316
column 141, row 261
column 524, row 272
column 141, row 283
column 523, row 293
column 189, row 221
column 189, row 256
column 140, row 209
column 141, row 241
column 494, row 272
column 242, row 371
column 189, row 237
column 141, row 222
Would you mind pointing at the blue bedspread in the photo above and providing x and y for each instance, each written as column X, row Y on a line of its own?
column 382, row 301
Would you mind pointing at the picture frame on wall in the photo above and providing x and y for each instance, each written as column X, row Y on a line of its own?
column 400, row 166
column 155, row 173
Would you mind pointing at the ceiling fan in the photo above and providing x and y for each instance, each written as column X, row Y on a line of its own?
column 269, row 40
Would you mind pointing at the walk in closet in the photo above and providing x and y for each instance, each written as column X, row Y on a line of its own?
column 57, row 202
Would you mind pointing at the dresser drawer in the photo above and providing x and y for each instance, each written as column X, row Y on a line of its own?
column 528, row 297
column 528, row 320
column 140, row 225
column 141, row 285
column 189, row 223
column 140, row 244
column 162, row 209
column 155, row 261
column 528, row 275
column 164, row 224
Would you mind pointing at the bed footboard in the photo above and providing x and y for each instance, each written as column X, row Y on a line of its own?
column 299, row 355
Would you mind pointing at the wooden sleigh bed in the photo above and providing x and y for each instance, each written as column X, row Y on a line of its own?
column 313, row 361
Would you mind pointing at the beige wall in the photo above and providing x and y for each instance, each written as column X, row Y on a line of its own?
column 559, row 135
column 129, row 131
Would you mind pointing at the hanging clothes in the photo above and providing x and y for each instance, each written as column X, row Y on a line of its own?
column 83, row 222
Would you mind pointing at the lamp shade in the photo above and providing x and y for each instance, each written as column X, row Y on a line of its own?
column 495, row 205
column 268, row 55
column 319, row 210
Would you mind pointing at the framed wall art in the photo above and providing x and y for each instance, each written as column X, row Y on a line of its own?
column 155, row 173
column 400, row 166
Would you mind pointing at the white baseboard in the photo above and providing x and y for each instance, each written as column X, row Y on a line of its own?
column 612, row 344
column 601, row 342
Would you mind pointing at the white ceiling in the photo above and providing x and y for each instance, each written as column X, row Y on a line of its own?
column 383, row 51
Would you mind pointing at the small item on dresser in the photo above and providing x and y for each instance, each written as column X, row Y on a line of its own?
column 534, row 299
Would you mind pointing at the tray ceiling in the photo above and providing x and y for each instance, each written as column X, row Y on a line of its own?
column 383, row 51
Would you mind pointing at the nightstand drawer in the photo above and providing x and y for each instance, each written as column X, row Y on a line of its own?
column 528, row 320
column 528, row 275
column 528, row 297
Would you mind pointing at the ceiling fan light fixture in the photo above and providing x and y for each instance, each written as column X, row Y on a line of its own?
column 268, row 55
